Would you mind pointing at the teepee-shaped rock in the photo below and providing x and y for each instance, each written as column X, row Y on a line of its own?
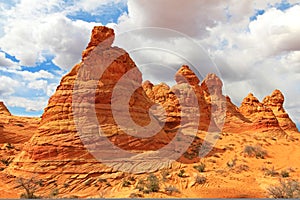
column 275, row 103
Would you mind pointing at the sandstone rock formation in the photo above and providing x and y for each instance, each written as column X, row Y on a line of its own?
column 188, row 93
column 275, row 103
column 262, row 117
column 14, row 129
column 3, row 109
column 87, row 118
column 58, row 141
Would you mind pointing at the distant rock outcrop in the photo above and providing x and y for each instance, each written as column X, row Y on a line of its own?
column 262, row 118
column 275, row 103
column 3, row 109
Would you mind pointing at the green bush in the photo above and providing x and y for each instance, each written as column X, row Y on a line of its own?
column 181, row 173
column 152, row 183
column 284, row 174
column 200, row 168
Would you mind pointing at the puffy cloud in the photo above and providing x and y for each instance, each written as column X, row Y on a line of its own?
column 6, row 62
column 30, row 105
column 260, row 58
column 38, row 85
column 8, row 86
column 252, row 56
column 35, row 30
column 29, row 76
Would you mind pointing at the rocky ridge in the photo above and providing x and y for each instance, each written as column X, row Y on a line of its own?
column 56, row 149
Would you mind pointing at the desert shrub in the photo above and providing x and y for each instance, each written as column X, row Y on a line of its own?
column 181, row 173
column 271, row 172
column 171, row 189
column 286, row 189
column 201, row 167
column 231, row 163
column 256, row 151
column 54, row 192
column 135, row 195
column 66, row 185
column 200, row 179
column 164, row 175
column 131, row 178
column 152, row 183
column 126, row 183
column 284, row 174
column 30, row 186
column 140, row 185
column 243, row 167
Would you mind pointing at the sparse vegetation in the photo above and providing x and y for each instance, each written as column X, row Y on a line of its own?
column 256, row 151
column 30, row 186
column 126, row 183
column 171, row 189
column 150, row 185
column 231, row 163
column 201, row 167
column 135, row 195
column 284, row 174
column 200, row 179
column 286, row 189
column 54, row 192
column 243, row 167
column 181, row 173
column 164, row 175
column 131, row 178
column 66, row 185
column 140, row 185
column 271, row 172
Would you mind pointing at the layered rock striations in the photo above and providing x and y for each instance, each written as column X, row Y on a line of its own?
column 275, row 103
column 58, row 140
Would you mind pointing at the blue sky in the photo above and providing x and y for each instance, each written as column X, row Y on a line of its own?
column 254, row 43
